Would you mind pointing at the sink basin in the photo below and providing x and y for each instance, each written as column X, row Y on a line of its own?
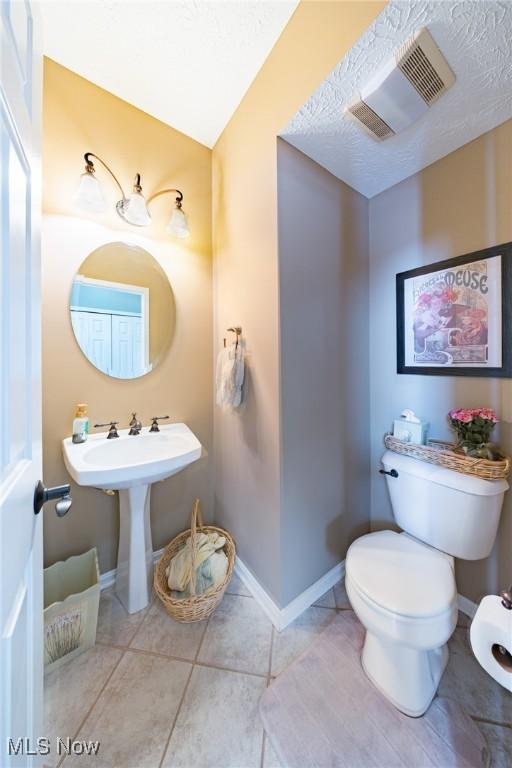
column 131, row 459
column 130, row 464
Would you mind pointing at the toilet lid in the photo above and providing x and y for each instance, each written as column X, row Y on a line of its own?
column 401, row 574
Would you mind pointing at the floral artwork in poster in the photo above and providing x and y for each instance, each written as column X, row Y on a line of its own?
column 455, row 316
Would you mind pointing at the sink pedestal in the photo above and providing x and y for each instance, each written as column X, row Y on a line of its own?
column 134, row 580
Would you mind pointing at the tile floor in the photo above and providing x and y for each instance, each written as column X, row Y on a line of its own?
column 156, row 693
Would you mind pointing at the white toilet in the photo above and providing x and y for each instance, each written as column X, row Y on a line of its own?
column 402, row 585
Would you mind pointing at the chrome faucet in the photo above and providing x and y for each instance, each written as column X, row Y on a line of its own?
column 112, row 432
column 135, row 425
column 154, row 423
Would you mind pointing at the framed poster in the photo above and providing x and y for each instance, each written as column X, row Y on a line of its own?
column 454, row 318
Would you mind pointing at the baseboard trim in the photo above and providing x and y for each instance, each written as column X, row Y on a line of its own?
column 108, row 579
column 281, row 617
column 466, row 606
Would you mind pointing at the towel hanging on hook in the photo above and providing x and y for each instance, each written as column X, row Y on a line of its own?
column 238, row 330
column 230, row 370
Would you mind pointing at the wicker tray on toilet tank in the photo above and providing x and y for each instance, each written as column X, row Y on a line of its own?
column 195, row 607
column 444, row 455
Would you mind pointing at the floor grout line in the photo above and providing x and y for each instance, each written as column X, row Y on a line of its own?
column 269, row 670
column 137, row 626
column 196, row 657
column 264, row 741
column 238, row 594
column 89, row 711
column 269, row 678
column 182, row 699
column 117, row 646
column 491, row 722
column 194, row 661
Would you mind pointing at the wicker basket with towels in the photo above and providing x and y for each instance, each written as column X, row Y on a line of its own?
column 196, row 606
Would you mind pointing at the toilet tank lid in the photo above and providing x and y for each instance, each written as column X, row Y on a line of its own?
column 471, row 484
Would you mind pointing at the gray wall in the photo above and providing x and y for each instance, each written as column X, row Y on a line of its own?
column 458, row 205
column 323, row 313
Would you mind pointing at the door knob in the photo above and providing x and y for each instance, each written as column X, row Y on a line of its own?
column 59, row 492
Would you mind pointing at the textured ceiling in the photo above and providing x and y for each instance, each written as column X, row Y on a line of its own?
column 476, row 39
column 186, row 62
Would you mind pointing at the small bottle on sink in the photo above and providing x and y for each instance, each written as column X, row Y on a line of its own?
column 80, row 424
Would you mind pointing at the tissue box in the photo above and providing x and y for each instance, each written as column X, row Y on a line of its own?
column 410, row 431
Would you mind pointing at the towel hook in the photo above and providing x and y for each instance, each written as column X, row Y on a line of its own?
column 238, row 330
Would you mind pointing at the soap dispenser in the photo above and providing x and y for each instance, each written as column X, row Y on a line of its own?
column 80, row 424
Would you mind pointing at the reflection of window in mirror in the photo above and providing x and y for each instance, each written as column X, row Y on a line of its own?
column 111, row 324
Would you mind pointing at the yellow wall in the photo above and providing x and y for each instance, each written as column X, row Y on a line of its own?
column 247, row 444
column 80, row 117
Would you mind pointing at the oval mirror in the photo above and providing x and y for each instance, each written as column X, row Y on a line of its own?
column 122, row 310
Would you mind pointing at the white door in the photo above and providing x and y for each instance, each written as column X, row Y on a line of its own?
column 21, row 640
column 93, row 331
column 127, row 351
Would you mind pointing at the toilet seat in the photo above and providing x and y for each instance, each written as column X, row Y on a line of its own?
column 401, row 576
column 404, row 594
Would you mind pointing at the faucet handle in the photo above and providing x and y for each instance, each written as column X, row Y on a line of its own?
column 154, row 423
column 135, row 425
column 112, row 431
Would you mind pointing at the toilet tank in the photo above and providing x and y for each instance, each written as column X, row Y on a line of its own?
column 455, row 513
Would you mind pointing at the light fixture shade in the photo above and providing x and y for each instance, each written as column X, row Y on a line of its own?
column 178, row 224
column 134, row 210
column 88, row 194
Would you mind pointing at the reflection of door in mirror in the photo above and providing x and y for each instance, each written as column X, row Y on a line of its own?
column 111, row 324
column 122, row 310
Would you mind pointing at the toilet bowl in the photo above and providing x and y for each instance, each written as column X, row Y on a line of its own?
column 407, row 601
column 402, row 585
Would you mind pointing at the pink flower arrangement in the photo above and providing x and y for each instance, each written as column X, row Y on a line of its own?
column 473, row 427
column 466, row 415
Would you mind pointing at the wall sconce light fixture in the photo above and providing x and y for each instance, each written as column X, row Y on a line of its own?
column 133, row 208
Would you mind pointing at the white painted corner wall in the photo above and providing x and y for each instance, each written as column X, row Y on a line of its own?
column 282, row 617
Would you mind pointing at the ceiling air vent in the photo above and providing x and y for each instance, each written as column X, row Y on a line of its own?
column 370, row 119
column 404, row 89
column 424, row 66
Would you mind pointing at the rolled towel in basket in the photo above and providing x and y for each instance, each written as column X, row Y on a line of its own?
column 209, row 574
column 179, row 571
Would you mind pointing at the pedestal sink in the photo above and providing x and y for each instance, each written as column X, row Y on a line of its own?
column 130, row 464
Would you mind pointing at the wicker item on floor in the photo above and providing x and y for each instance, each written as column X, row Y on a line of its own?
column 444, row 455
column 196, row 607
